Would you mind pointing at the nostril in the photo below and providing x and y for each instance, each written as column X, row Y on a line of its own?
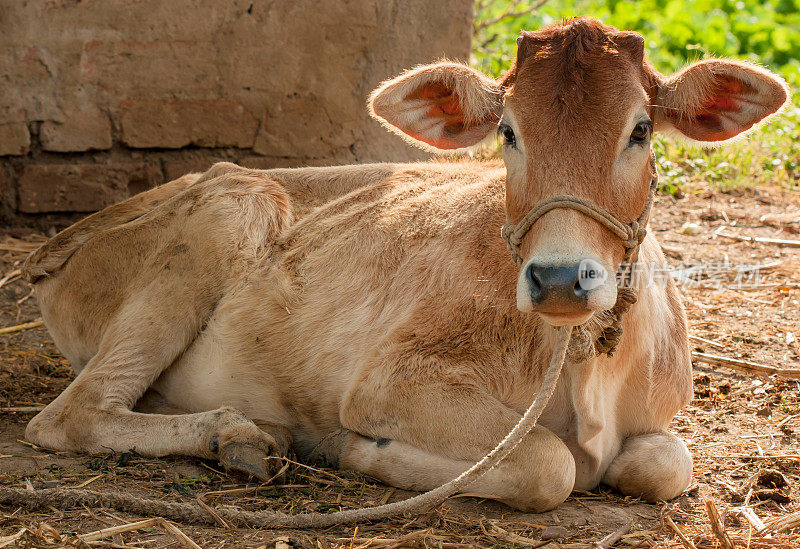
column 532, row 278
column 534, row 282
column 579, row 290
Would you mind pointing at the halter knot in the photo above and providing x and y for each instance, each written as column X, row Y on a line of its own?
column 631, row 234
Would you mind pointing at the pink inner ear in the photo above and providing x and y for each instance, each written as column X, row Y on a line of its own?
column 717, row 104
column 725, row 101
column 445, row 109
column 725, row 96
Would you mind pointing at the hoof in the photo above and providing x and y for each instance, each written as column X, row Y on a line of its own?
column 250, row 460
column 329, row 450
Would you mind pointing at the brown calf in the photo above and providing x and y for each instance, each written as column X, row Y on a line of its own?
column 378, row 321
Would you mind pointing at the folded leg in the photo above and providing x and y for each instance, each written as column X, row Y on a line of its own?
column 655, row 466
column 411, row 425
column 132, row 297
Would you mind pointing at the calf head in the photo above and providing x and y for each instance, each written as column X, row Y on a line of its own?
column 575, row 113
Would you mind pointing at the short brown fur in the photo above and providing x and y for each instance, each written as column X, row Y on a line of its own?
column 370, row 316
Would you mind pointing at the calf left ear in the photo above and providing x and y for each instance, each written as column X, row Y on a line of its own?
column 439, row 107
column 716, row 99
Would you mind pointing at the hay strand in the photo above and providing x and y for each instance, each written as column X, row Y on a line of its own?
column 746, row 366
column 20, row 327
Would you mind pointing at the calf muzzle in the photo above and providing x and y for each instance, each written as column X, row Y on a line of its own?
column 559, row 289
column 556, row 287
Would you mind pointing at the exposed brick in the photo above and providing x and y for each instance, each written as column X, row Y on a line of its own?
column 8, row 201
column 173, row 124
column 84, row 130
column 14, row 138
column 269, row 162
column 173, row 169
column 81, row 187
column 310, row 65
column 297, row 126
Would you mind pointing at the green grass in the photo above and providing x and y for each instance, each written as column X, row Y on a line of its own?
column 770, row 155
column 678, row 32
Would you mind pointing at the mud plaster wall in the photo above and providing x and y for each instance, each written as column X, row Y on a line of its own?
column 100, row 99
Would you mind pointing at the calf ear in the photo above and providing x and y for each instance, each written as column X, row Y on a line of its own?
column 439, row 106
column 715, row 100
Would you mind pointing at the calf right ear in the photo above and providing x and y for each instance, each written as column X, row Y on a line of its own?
column 443, row 106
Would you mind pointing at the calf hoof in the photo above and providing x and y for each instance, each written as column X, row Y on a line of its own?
column 243, row 457
column 245, row 448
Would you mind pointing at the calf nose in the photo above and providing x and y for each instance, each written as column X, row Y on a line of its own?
column 559, row 287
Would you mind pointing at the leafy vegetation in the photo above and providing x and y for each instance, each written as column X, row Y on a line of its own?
column 677, row 32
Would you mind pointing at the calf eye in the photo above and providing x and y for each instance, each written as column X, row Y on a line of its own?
column 508, row 135
column 641, row 133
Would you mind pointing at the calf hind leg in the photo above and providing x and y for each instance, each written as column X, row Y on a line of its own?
column 187, row 253
column 226, row 435
column 53, row 254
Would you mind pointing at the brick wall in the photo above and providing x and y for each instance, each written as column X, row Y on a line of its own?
column 100, row 99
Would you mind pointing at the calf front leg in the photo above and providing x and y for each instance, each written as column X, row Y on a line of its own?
column 417, row 431
column 536, row 477
column 653, row 467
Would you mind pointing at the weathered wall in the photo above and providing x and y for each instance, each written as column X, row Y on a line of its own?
column 103, row 98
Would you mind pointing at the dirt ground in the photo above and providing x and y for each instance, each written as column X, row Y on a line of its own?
column 742, row 428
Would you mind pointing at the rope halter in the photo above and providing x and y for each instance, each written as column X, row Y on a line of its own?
column 631, row 234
